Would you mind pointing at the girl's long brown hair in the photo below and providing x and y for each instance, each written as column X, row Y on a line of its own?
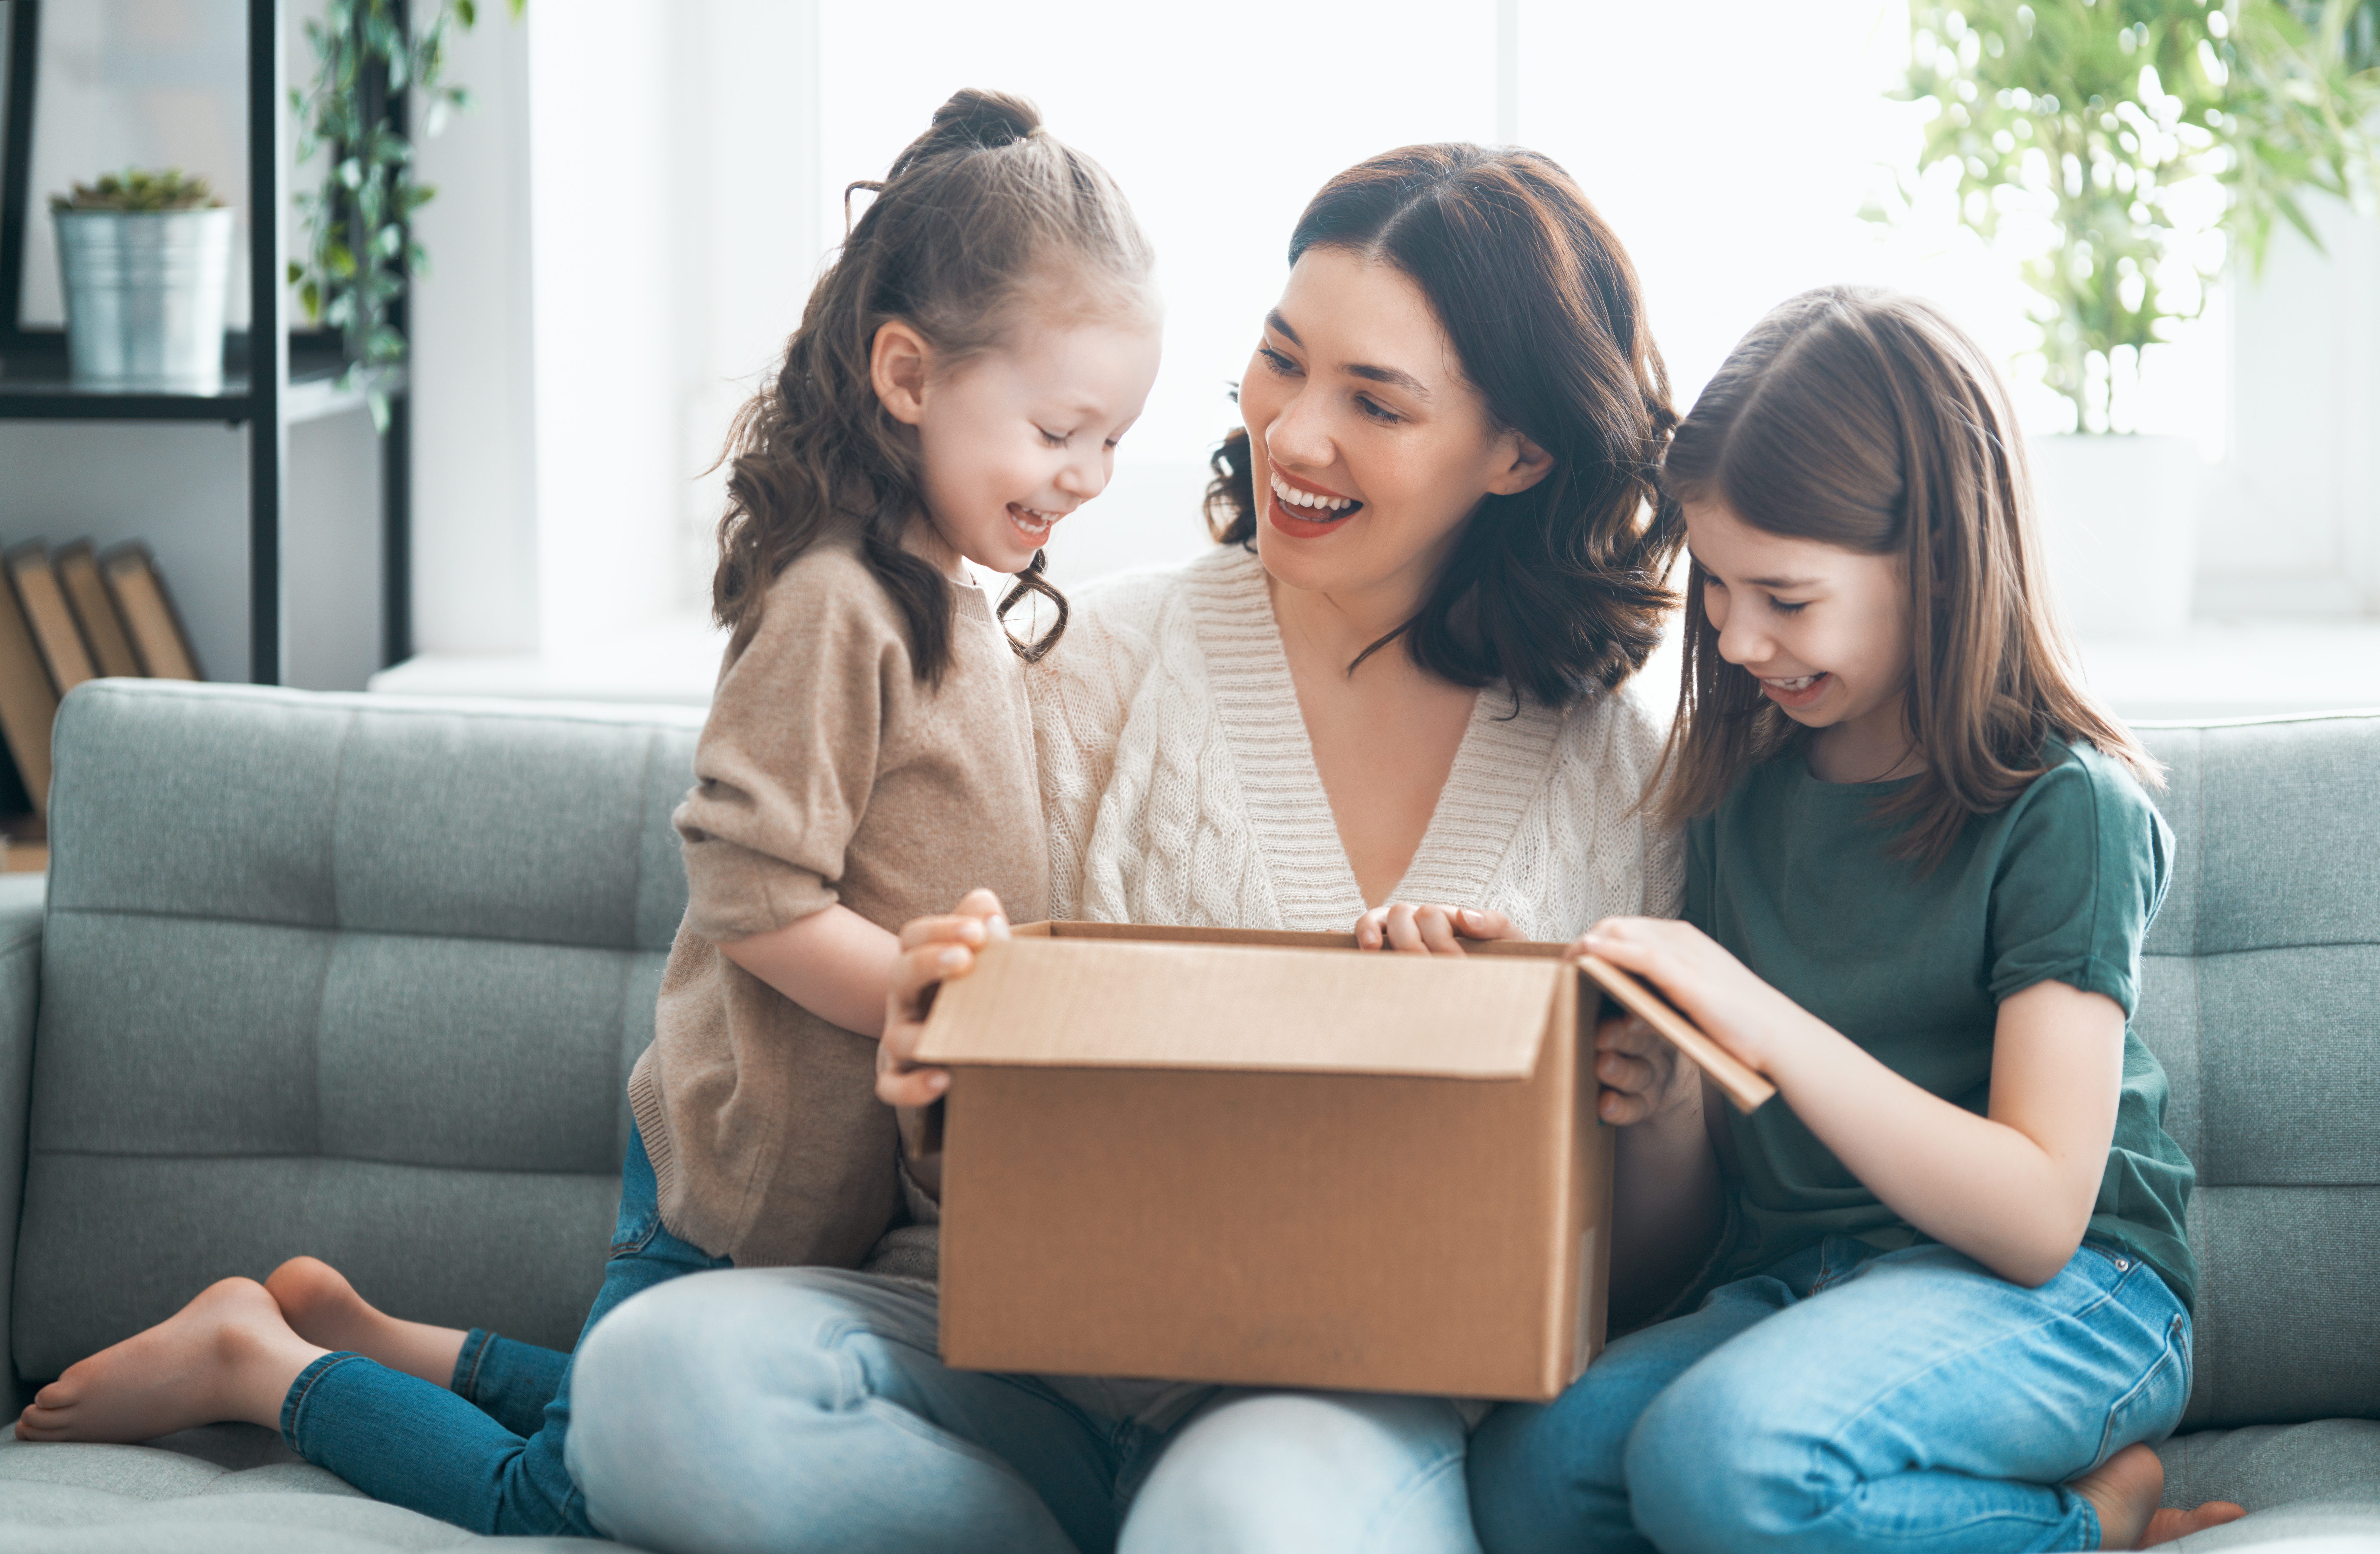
column 1558, row 589
column 976, row 212
column 1867, row 420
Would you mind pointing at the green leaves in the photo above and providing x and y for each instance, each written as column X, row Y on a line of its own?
column 2103, row 123
column 137, row 189
column 358, row 249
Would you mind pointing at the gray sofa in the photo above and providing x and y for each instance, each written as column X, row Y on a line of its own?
column 363, row 977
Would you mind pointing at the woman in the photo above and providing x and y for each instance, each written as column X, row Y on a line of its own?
column 1393, row 682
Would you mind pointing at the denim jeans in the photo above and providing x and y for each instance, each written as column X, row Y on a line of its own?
column 1848, row 1399
column 800, row 1409
column 484, row 1453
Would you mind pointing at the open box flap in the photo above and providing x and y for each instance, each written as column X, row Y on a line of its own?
column 1062, row 1001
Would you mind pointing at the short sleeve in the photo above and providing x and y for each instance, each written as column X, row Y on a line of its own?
column 790, row 755
column 2082, row 869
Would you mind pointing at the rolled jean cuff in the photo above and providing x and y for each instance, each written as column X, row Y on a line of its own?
column 465, row 1382
column 293, row 1406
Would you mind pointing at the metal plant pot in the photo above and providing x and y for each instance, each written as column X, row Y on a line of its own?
column 144, row 292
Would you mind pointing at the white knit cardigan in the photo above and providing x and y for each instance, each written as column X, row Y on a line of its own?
column 1179, row 786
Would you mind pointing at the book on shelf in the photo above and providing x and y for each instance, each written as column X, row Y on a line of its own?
column 77, row 570
column 49, row 615
column 155, row 627
column 28, row 703
column 65, row 618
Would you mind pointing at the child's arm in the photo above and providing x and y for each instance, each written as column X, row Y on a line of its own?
column 833, row 963
column 2013, row 1190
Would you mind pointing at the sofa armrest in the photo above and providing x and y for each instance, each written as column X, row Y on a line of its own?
column 22, row 899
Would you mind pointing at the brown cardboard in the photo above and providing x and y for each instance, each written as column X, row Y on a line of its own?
column 1263, row 1158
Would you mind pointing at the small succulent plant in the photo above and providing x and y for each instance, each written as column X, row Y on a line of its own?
column 137, row 188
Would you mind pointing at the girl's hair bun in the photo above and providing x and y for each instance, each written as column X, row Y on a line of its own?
column 989, row 119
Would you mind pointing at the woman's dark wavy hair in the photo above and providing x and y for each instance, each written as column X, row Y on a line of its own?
column 1869, row 420
column 977, row 212
column 1557, row 590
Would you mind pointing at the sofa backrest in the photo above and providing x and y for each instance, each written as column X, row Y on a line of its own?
column 349, row 975
column 2261, row 998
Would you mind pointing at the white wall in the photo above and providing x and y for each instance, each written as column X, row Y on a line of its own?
column 2292, row 522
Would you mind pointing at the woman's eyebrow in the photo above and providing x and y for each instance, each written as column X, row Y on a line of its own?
column 1388, row 375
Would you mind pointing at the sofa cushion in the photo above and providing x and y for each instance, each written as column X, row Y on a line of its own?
column 348, row 976
column 2259, row 997
column 225, row 1489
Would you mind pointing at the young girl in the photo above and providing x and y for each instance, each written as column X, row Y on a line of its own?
column 957, row 386
column 1951, row 1292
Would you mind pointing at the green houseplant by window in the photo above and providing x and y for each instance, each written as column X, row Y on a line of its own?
column 359, row 248
column 2124, row 141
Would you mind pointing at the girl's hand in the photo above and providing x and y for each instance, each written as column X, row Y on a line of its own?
column 1643, row 1076
column 1710, row 987
column 933, row 951
column 1428, row 930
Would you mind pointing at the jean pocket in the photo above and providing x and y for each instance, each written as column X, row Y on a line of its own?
column 2152, row 1407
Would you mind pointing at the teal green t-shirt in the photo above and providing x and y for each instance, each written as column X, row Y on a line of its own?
column 1793, row 875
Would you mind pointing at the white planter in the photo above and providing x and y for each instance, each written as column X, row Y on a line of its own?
column 2119, row 521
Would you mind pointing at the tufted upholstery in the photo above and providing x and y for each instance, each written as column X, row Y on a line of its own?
column 2261, row 998
column 340, row 976
column 363, row 977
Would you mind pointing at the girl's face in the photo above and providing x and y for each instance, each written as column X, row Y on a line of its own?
column 1371, row 447
column 1013, row 439
column 1825, row 631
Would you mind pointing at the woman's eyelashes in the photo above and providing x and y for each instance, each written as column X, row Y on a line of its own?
column 1281, row 365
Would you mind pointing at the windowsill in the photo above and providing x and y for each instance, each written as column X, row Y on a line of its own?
column 670, row 663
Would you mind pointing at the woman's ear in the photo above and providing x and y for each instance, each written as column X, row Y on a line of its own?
column 899, row 362
column 1522, row 465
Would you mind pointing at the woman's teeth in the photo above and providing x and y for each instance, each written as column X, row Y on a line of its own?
column 1293, row 497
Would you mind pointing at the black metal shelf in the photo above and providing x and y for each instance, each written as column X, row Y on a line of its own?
column 296, row 382
column 36, row 386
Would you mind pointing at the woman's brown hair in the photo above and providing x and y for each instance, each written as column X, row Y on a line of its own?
column 1867, row 420
column 979, row 212
column 1557, row 590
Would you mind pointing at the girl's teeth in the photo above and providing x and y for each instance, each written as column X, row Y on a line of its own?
column 1296, row 498
column 1801, row 683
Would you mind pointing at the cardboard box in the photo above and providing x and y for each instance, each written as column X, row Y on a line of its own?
column 1267, row 1159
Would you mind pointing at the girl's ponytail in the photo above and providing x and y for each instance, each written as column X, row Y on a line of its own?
column 973, row 215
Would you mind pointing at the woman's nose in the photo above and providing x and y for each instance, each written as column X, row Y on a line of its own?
column 1298, row 439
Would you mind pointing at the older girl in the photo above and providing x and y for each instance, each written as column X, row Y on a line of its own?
column 1397, row 676
column 1951, row 1296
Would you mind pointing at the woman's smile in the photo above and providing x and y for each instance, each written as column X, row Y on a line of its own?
column 1304, row 510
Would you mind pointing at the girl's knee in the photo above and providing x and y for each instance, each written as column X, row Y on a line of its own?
column 1723, row 1462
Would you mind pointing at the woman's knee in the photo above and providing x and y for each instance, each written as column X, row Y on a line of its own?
column 704, row 1392
column 1307, row 1471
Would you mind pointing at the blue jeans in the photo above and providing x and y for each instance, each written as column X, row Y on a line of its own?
column 799, row 1409
column 484, row 1453
column 1848, row 1399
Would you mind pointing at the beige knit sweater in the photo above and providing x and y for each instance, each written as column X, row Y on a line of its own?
column 827, row 772
column 1180, row 786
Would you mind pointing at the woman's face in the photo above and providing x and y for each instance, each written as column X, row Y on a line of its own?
column 1371, row 447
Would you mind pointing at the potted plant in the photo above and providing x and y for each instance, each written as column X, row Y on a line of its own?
column 2123, row 141
column 144, row 260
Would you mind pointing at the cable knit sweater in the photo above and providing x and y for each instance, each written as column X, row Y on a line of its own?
column 1180, row 786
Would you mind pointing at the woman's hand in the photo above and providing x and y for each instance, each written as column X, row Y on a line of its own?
column 1710, row 987
column 1643, row 1076
column 933, row 951
column 1428, row 930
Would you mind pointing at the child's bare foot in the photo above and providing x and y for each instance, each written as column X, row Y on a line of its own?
column 324, row 1309
column 228, row 1355
column 2167, row 1526
column 2124, row 1490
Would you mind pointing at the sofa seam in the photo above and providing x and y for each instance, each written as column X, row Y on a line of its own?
column 319, row 927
